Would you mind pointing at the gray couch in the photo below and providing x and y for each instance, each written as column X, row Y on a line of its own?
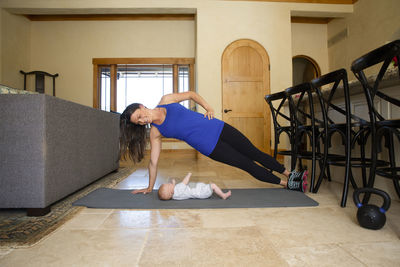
column 50, row 148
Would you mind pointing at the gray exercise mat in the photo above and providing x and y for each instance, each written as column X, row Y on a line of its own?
column 107, row 198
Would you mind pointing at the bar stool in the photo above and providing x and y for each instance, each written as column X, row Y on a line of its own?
column 383, row 125
column 305, row 126
column 340, row 120
column 280, row 120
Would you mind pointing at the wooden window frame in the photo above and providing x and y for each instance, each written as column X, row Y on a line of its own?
column 114, row 62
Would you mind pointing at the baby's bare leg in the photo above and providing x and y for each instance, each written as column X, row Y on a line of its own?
column 219, row 192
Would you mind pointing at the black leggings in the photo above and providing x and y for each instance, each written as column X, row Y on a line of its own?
column 233, row 148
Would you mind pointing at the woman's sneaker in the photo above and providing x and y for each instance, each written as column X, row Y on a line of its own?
column 298, row 181
column 298, row 176
column 297, row 186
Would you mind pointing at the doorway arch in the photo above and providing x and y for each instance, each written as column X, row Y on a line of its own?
column 245, row 82
column 305, row 69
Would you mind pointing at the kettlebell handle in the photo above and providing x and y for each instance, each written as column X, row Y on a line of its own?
column 383, row 194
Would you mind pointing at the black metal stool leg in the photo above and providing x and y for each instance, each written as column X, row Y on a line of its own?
column 372, row 170
column 363, row 162
column 328, row 173
column 392, row 158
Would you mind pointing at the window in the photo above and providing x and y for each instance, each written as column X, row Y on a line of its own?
column 105, row 88
column 124, row 81
column 144, row 84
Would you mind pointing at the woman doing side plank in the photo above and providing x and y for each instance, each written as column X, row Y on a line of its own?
column 210, row 136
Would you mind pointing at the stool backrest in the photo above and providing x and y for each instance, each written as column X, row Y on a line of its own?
column 301, row 105
column 280, row 120
column 277, row 112
column 335, row 85
column 384, row 55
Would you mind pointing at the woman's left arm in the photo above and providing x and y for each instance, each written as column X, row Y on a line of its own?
column 178, row 97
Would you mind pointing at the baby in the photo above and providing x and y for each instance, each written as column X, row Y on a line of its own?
column 183, row 190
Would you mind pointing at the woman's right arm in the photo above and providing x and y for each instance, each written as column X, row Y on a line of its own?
column 178, row 97
column 155, row 146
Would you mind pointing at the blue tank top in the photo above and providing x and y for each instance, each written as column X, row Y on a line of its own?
column 192, row 127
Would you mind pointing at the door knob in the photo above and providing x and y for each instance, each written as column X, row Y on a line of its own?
column 227, row 110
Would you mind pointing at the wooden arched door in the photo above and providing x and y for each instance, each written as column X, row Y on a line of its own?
column 245, row 82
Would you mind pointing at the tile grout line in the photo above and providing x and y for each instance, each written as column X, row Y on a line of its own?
column 339, row 245
column 99, row 227
column 142, row 248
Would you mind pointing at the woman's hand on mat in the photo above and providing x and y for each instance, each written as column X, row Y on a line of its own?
column 142, row 191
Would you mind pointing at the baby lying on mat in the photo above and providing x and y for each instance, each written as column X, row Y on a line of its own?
column 183, row 190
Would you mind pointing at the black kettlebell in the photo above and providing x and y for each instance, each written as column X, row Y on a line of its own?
column 370, row 216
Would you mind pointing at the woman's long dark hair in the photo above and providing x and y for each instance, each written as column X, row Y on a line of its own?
column 132, row 137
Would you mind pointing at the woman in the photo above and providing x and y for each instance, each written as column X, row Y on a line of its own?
column 212, row 137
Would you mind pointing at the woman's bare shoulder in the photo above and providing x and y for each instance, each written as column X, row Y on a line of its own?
column 154, row 133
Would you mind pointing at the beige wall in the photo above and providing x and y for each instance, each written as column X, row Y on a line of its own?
column 311, row 40
column 68, row 48
column 372, row 24
column 15, row 52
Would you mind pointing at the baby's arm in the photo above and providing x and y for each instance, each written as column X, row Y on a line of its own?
column 187, row 178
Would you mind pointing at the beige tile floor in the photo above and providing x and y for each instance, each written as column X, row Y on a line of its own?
column 327, row 235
